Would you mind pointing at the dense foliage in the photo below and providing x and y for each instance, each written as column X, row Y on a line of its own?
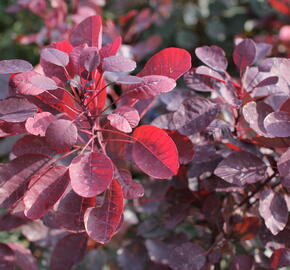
column 112, row 160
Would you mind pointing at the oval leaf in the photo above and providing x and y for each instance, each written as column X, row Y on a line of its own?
column 90, row 58
column 43, row 82
column 90, row 174
column 61, row 134
column 55, row 56
column 278, row 124
column 14, row 66
column 102, row 222
column 244, row 54
column 118, row 63
column 154, row 152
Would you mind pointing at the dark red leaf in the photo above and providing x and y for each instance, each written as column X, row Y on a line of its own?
column 247, row 228
column 184, row 146
column 16, row 109
column 278, row 124
column 102, row 222
column 44, row 190
column 68, row 251
column 112, row 48
column 10, row 222
column 187, row 256
column 7, row 257
column 14, row 66
column 273, row 209
column 194, row 115
column 38, row 124
column 15, row 176
column 154, row 152
column 212, row 56
column 280, row 258
column 89, row 31
column 268, row 81
column 61, row 134
column 23, row 257
column 244, row 54
column 130, row 188
column 241, row 168
column 90, row 58
column 150, row 86
column 91, row 173
column 32, row 145
column 124, row 118
column 170, row 62
column 118, row 63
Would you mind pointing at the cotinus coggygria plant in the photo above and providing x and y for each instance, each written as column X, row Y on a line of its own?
column 71, row 167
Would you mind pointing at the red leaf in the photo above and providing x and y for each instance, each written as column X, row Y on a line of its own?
column 170, row 62
column 91, row 174
column 16, row 175
column 44, row 190
column 61, row 134
column 15, row 109
column 124, row 118
column 118, row 63
column 10, row 222
column 280, row 258
column 102, row 222
column 112, row 48
column 154, row 152
column 131, row 189
column 68, row 251
column 244, row 54
column 88, row 31
column 38, row 124
column 212, row 56
column 150, row 86
column 55, row 56
column 23, row 257
column 247, row 228
column 14, row 66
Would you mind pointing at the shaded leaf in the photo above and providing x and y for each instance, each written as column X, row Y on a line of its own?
column 240, row 262
column 241, row 168
column 90, row 58
column 90, row 173
column 68, row 251
column 38, row 124
column 158, row 251
column 247, row 228
column 45, row 188
column 280, row 258
column 15, row 109
column 7, row 257
column 244, row 53
column 14, row 66
column 154, row 152
column 10, row 222
column 284, row 163
column 102, row 222
column 273, row 209
column 61, row 134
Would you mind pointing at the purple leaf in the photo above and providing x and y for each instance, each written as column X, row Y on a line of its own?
column 16, row 109
column 187, row 256
column 278, row 124
column 89, row 31
column 91, row 174
column 43, row 82
column 38, row 124
column 118, row 63
column 206, row 71
column 194, row 115
column 280, row 258
column 68, row 251
column 158, row 251
column 7, row 257
column 90, row 58
column 23, row 257
column 255, row 113
column 15, row 176
column 273, row 209
column 212, row 56
column 61, row 134
column 262, row 50
column 241, row 262
column 10, row 222
column 102, row 222
column 244, row 54
column 150, row 86
column 124, row 118
column 268, row 81
column 14, row 66
column 129, row 79
column 284, row 163
column 55, row 56
column 241, row 168
column 44, row 190
column 154, row 152
column 130, row 188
